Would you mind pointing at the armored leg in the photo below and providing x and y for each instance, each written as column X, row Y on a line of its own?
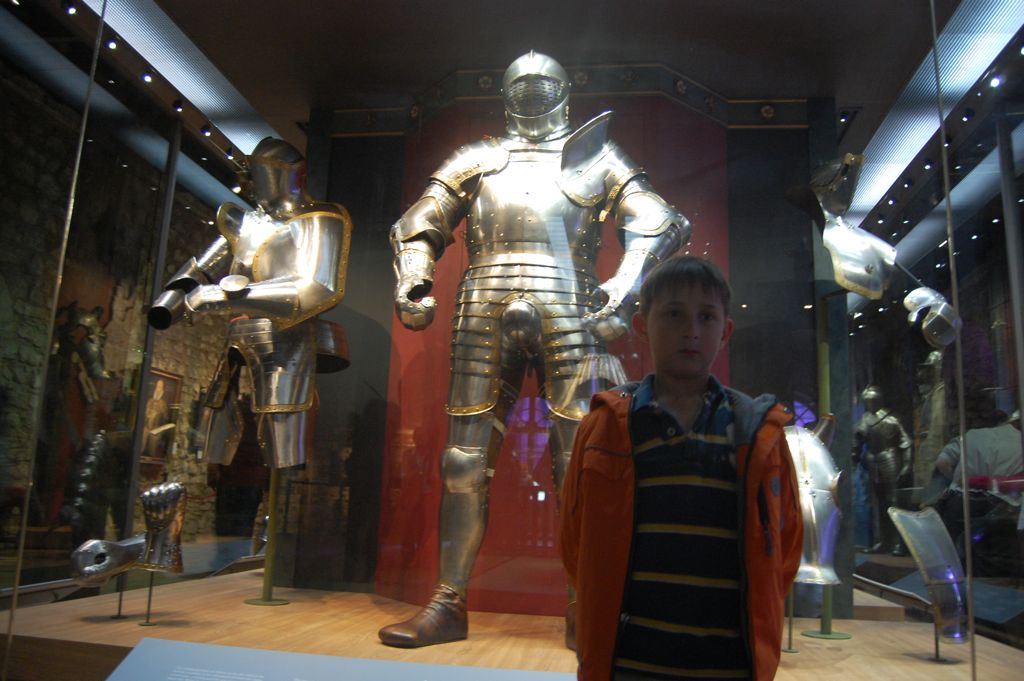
column 560, row 438
column 467, row 466
column 225, row 426
column 284, row 437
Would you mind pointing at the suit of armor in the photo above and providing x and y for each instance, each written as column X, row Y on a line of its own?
column 886, row 456
column 534, row 202
column 276, row 268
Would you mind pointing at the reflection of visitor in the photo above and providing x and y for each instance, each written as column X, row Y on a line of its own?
column 996, row 454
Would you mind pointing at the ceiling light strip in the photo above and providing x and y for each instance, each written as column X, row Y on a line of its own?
column 974, row 36
column 144, row 26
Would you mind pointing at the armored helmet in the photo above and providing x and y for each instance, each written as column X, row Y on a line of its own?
column 276, row 173
column 536, row 93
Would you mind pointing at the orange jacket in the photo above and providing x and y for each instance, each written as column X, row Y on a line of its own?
column 597, row 526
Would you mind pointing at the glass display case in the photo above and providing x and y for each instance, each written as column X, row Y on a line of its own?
column 890, row 315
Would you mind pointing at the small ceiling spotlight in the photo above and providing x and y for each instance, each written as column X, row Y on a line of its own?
column 891, row 201
column 844, row 116
column 111, row 44
column 967, row 115
column 69, row 7
column 907, row 184
column 230, row 153
column 206, row 131
column 928, row 165
column 949, row 140
column 995, row 81
column 237, row 189
column 178, row 106
column 881, row 219
column 147, row 76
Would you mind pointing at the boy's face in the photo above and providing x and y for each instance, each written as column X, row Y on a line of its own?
column 685, row 328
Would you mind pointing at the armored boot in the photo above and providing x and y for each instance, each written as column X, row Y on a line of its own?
column 442, row 620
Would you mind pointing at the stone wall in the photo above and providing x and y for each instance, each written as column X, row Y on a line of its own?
column 110, row 254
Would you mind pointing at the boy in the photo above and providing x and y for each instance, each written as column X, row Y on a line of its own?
column 681, row 525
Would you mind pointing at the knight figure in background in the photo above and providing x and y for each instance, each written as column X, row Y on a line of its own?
column 882, row 446
column 534, row 203
column 274, row 269
column 929, row 427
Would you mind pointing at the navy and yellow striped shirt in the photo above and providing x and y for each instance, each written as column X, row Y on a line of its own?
column 681, row 610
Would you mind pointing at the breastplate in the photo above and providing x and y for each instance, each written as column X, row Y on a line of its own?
column 261, row 244
column 881, row 433
column 520, row 216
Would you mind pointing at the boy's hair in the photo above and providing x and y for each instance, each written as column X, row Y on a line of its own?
column 684, row 270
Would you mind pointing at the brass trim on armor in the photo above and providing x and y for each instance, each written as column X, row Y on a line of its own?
column 613, row 193
column 340, row 279
column 574, row 415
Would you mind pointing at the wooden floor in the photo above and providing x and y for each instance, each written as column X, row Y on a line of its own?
column 78, row 641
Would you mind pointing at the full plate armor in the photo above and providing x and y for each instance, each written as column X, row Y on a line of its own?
column 887, row 458
column 534, row 202
column 276, row 268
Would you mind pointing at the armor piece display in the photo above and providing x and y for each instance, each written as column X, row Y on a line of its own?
column 157, row 549
column 819, row 500
column 163, row 507
column 940, row 322
column 881, row 444
column 534, row 202
column 97, row 560
column 276, row 267
column 940, row 568
column 861, row 262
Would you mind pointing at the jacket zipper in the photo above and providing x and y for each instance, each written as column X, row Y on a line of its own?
column 766, row 522
column 623, row 617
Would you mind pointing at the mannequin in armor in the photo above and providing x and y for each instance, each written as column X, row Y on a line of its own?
column 534, row 203
column 929, row 427
column 881, row 444
column 274, row 269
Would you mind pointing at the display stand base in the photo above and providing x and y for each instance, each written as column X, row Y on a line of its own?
column 834, row 635
column 267, row 601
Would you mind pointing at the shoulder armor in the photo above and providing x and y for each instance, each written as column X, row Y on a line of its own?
column 325, row 209
column 595, row 169
column 229, row 221
column 469, row 163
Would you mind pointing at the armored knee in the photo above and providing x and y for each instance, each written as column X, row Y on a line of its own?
column 464, row 469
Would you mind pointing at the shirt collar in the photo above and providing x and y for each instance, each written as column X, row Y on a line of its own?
column 644, row 394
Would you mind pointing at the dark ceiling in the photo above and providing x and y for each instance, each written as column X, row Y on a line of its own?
column 288, row 57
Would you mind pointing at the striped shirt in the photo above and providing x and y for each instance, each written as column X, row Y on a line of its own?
column 681, row 610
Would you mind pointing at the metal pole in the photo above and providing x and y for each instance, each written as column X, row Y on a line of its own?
column 1014, row 255
column 40, row 386
column 149, row 602
column 789, row 616
column 271, row 549
column 824, row 407
column 955, row 301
